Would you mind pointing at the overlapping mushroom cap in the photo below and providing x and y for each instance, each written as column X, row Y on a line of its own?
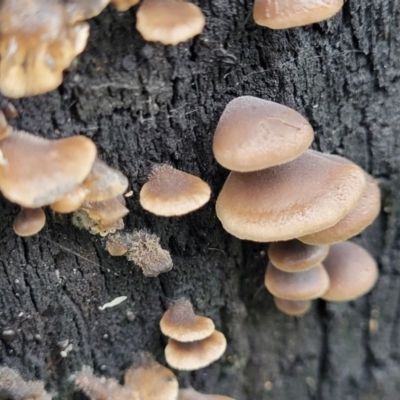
column 290, row 200
column 282, row 14
column 253, row 134
column 191, row 394
column 292, row 307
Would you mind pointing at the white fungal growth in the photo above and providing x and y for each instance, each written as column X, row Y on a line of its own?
column 113, row 303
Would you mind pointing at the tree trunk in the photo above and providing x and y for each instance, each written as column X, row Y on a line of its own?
column 145, row 103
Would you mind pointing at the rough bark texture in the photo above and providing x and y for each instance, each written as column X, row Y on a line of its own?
column 144, row 103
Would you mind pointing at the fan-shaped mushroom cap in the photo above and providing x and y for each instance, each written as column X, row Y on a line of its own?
column 305, row 285
column 170, row 192
column 365, row 212
column 290, row 200
column 278, row 14
column 181, row 323
column 189, row 356
column 71, row 201
column 29, row 221
column 191, row 394
column 123, row 5
column 50, row 168
column 152, row 380
column 292, row 307
column 254, row 134
column 352, row 272
column 295, row 256
column 169, row 21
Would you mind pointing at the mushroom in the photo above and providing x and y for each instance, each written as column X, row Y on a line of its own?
column 191, row 394
column 182, row 324
column 50, row 168
column 292, row 307
column 123, row 5
column 189, row 356
column 80, row 10
column 352, row 272
column 170, row 192
column 277, row 14
column 295, row 256
column 71, row 201
column 118, row 244
column 29, row 221
column 169, row 21
column 253, row 134
column 305, row 285
column 306, row 195
column 5, row 129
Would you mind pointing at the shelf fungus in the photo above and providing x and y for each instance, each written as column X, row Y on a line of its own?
column 170, row 192
column 144, row 249
column 37, row 43
column 169, row 21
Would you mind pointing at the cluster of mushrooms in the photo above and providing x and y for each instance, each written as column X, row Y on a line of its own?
column 305, row 202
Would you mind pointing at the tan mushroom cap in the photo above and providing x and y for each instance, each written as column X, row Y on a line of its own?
column 253, row 134
column 295, row 256
column 119, row 244
column 50, row 168
column 290, row 200
column 29, row 221
column 170, row 192
column 305, row 285
column 71, row 201
column 191, row 394
column 278, row 14
column 169, row 21
column 365, row 212
column 5, row 129
column 123, row 5
column 195, row 355
column 181, row 323
column 152, row 380
column 80, row 10
column 294, row 308
column 352, row 272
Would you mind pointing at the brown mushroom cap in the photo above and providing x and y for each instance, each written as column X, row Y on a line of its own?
column 152, row 380
column 292, row 307
column 254, row 134
column 352, row 272
column 71, row 201
column 29, row 221
column 295, row 256
column 305, row 285
column 189, row 356
column 123, row 5
column 119, row 244
column 169, row 21
column 181, row 323
column 290, row 200
column 277, row 14
column 365, row 212
column 191, row 394
column 50, row 168
column 170, row 192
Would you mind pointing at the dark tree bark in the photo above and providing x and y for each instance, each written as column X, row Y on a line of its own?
column 145, row 103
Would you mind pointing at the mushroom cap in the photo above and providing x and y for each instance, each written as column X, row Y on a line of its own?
column 29, row 221
column 71, row 201
column 50, row 168
column 278, row 14
column 191, row 394
column 169, row 21
column 295, row 256
column 80, row 10
column 189, row 356
column 254, row 134
column 152, row 380
column 119, row 244
column 123, row 5
column 181, row 323
column 170, row 192
column 5, row 129
column 365, row 212
column 305, row 285
column 352, row 272
column 292, row 307
column 290, row 200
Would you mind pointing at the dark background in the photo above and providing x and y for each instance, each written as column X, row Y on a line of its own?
column 145, row 103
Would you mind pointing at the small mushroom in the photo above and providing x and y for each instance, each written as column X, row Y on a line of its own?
column 292, row 307
column 29, row 221
column 277, row 14
column 170, row 192
column 352, row 272
column 119, row 244
column 169, row 21
column 190, row 356
column 253, row 134
column 305, row 285
column 191, row 394
column 295, row 256
column 123, row 5
column 182, row 324
column 71, row 201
